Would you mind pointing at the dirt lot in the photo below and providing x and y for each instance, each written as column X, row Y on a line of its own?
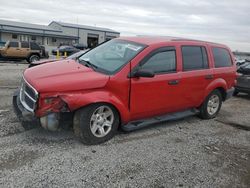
column 184, row 153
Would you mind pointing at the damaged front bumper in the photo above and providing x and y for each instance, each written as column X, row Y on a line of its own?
column 23, row 114
column 50, row 121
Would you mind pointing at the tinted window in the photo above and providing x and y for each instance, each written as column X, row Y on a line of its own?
column 24, row 45
column 13, row 44
column 221, row 58
column 34, row 46
column 161, row 62
column 194, row 58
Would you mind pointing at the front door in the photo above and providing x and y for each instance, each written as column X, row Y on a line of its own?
column 13, row 50
column 160, row 94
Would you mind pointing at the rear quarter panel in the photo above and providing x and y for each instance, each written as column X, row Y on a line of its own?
column 228, row 74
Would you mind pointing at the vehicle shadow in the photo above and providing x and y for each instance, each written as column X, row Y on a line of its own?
column 243, row 95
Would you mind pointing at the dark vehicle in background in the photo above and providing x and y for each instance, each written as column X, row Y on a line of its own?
column 16, row 51
column 69, row 50
column 80, row 46
column 73, row 56
column 243, row 79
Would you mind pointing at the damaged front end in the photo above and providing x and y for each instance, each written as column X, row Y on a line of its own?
column 53, row 112
column 50, row 111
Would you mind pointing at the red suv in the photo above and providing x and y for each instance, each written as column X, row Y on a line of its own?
column 129, row 82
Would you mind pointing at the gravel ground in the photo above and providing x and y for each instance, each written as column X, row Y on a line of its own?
column 184, row 153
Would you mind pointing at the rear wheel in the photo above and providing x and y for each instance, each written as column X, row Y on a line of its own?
column 33, row 58
column 96, row 123
column 211, row 106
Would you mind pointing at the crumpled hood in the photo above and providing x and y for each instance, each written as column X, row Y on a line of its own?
column 65, row 75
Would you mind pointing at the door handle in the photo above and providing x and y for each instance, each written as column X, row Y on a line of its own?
column 209, row 77
column 173, row 82
column 17, row 49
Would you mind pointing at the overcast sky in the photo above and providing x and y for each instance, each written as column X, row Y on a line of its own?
column 225, row 21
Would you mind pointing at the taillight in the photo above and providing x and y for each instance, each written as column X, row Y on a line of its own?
column 238, row 75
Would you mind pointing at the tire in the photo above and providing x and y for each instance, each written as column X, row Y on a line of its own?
column 90, row 124
column 33, row 58
column 208, row 109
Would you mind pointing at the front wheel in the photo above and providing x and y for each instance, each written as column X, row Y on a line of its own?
column 96, row 123
column 211, row 106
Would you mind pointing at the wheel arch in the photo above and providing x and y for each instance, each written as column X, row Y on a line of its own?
column 33, row 53
column 219, row 84
column 80, row 100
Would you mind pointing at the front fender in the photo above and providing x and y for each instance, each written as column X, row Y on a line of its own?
column 79, row 100
column 217, row 83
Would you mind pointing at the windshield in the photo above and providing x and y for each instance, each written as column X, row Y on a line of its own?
column 77, row 54
column 112, row 55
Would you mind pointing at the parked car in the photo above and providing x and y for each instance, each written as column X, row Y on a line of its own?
column 68, row 49
column 29, row 51
column 81, row 46
column 73, row 56
column 128, row 82
column 243, row 79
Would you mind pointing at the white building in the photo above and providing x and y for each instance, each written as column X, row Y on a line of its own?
column 87, row 35
column 55, row 33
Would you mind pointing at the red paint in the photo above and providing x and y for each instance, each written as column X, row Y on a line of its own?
column 135, row 98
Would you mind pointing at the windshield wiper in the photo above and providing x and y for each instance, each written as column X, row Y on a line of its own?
column 88, row 64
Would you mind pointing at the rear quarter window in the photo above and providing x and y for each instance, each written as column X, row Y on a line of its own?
column 222, row 57
column 34, row 46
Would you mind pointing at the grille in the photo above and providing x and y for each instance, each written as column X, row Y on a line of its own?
column 28, row 96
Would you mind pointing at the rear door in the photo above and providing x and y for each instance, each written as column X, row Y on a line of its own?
column 160, row 94
column 196, row 74
column 25, row 49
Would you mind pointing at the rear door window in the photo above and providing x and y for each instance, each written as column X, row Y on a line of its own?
column 24, row 45
column 222, row 58
column 194, row 58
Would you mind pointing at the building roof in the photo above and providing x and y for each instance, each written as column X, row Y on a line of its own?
column 33, row 29
column 85, row 27
column 26, row 25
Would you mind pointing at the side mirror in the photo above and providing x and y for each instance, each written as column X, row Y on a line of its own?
column 143, row 73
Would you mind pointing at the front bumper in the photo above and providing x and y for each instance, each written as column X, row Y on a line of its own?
column 242, row 89
column 22, row 114
column 50, row 122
